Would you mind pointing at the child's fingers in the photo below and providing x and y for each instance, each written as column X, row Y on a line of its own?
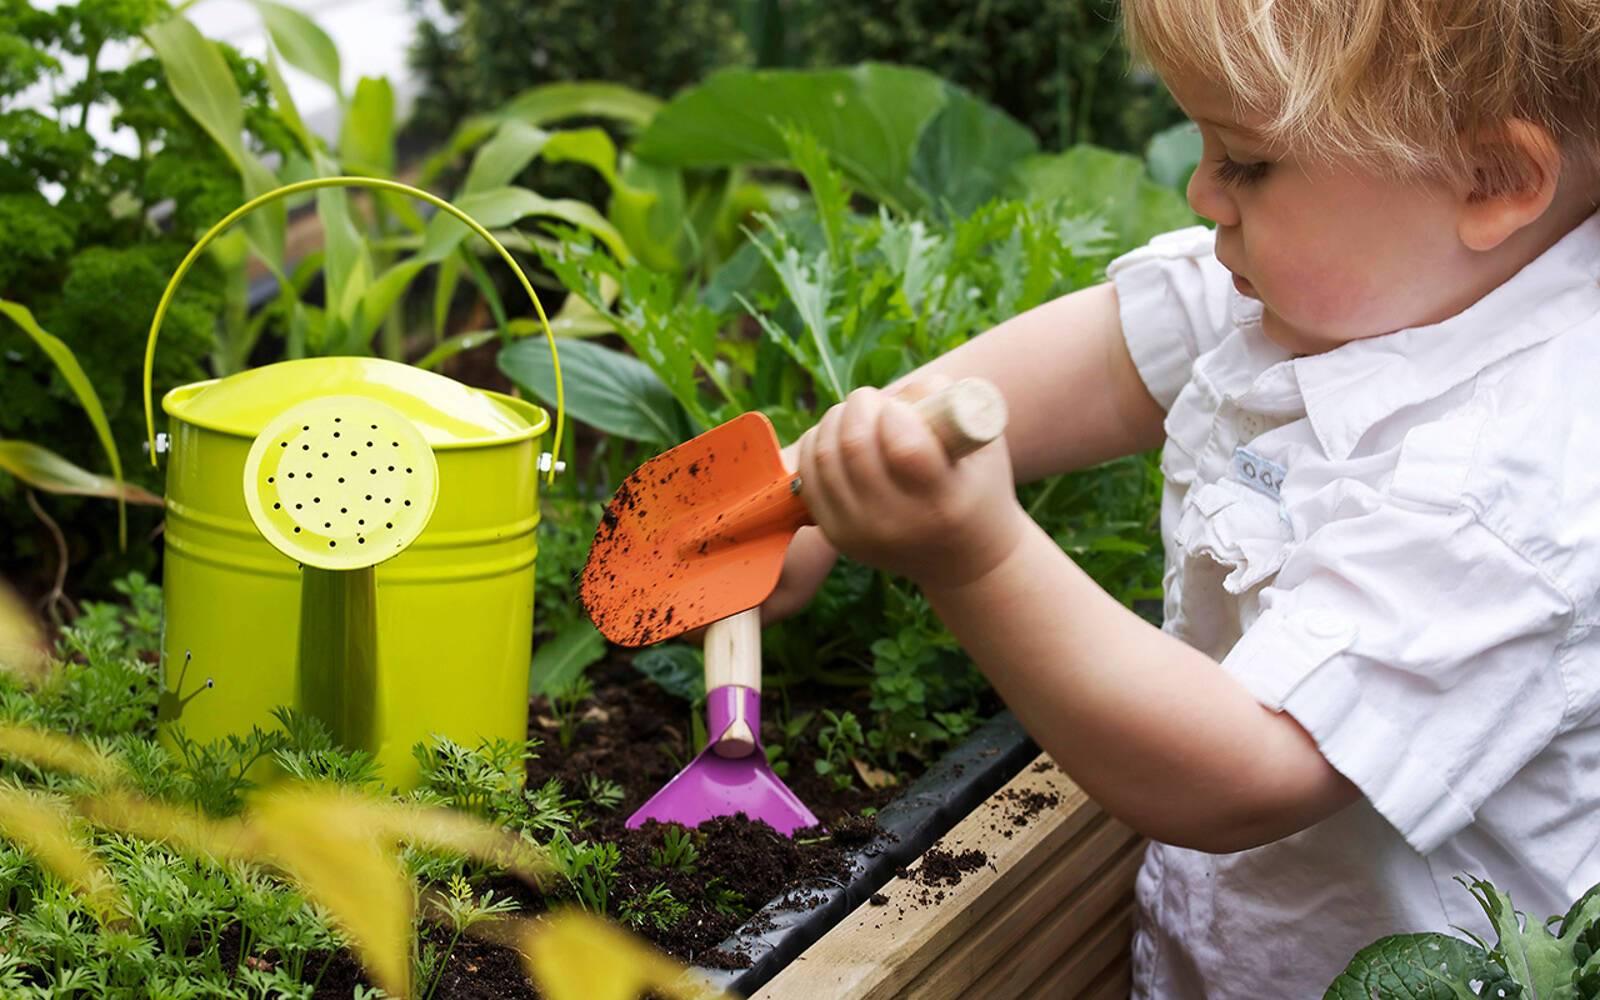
column 817, row 480
column 858, row 445
column 912, row 454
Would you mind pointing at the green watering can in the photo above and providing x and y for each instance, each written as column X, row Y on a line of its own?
column 352, row 537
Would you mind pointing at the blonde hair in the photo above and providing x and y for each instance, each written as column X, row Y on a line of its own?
column 1415, row 85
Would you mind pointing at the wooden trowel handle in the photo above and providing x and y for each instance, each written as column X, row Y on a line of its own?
column 964, row 415
column 733, row 657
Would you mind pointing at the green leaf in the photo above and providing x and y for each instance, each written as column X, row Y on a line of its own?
column 1173, row 154
column 366, row 138
column 1420, row 967
column 606, row 389
column 542, row 106
column 501, row 207
column 560, row 659
column 304, row 45
column 199, row 79
column 1534, row 957
column 591, row 147
column 869, row 117
column 45, row 470
column 1087, row 181
column 678, row 668
column 67, row 364
column 286, row 106
column 647, row 206
column 505, row 156
column 965, row 155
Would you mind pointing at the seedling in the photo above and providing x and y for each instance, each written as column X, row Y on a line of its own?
column 658, row 907
column 677, row 851
column 840, row 740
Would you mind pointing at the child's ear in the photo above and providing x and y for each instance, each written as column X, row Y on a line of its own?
column 1516, row 168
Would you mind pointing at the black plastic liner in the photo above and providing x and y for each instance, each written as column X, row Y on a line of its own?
column 934, row 803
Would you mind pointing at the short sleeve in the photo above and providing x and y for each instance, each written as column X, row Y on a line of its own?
column 1174, row 298
column 1420, row 652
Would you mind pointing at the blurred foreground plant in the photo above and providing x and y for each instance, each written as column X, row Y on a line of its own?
column 340, row 847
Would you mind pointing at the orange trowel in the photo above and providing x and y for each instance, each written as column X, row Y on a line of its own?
column 699, row 532
column 696, row 536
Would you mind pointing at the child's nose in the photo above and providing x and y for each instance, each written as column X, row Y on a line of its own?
column 1209, row 199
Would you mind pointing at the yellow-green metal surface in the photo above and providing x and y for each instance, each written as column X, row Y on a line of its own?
column 340, row 482
column 452, row 613
column 433, row 640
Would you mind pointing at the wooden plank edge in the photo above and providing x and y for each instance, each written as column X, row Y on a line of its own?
column 874, row 951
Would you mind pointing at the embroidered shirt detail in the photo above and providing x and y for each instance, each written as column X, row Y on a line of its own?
column 1260, row 474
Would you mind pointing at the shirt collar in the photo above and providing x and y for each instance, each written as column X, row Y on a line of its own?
column 1346, row 391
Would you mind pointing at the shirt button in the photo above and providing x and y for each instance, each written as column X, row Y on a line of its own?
column 1325, row 625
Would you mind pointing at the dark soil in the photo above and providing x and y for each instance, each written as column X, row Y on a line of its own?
column 637, row 735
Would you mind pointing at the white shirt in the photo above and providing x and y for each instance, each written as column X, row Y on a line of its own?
column 1397, row 542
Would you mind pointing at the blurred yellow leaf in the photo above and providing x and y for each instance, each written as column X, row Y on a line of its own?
column 336, row 847
column 47, row 749
column 22, row 647
column 179, row 827
column 41, row 825
column 571, row 955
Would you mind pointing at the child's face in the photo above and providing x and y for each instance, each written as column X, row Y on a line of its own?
column 1334, row 251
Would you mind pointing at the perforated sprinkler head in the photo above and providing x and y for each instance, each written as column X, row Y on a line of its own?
column 340, row 482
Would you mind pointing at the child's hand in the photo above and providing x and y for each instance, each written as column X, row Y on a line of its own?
column 883, row 490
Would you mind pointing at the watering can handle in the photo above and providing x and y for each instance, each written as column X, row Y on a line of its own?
column 374, row 183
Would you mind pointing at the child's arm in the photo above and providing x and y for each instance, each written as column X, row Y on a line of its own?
column 1074, row 395
column 1153, row 729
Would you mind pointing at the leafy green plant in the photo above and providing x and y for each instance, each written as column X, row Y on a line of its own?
column 655, row 907
column 602, row 793
column 462, row 908
column 589, row 868
column 840, row 740
column 1555, row 958
column 677, row 851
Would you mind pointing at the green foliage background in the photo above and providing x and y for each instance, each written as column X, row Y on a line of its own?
column 1059, row 68
column 91, row 265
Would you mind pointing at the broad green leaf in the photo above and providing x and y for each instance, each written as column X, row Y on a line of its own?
column 347, row 269
column 965, row 155
column 1173, row 154
column 286, row 106
column 869, row 118
column 1417, row 967
column 500, row 207
column 1089, row 181
column 450, row 346
column 555, row 102
column 591, row 147
column 676, row 667
column 542, row 106
column 67, row 364
column 560, row 659
column 647, row 205
column 606, row 389
column 501, row 159
column 366, row 138
column 199, row 79
column 303, row 44
column 43, row 469
column 381, row 295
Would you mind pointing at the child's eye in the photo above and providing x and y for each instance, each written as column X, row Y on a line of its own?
column 1231, row 173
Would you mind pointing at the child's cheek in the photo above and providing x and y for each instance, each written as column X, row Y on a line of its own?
column 1325, row 295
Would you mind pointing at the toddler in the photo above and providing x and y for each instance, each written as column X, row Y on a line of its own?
column 1376, row 383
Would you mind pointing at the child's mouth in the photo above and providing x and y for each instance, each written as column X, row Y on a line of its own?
column 1245, row 288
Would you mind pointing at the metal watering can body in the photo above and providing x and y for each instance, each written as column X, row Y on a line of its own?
column 431, row 636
